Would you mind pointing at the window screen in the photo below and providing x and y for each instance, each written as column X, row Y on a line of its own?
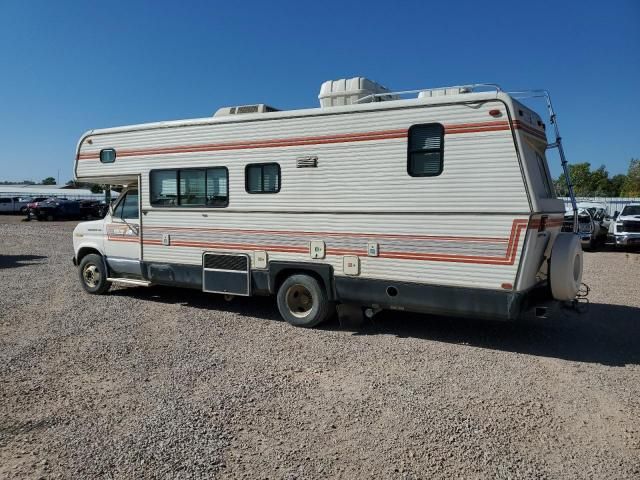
column 426, row 148
column 108, row 155
column 194, row 187
column 262, row 178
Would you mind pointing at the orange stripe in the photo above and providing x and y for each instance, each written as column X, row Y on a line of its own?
column 314, row 140
column 283, row 142
column 123, row 239
column 529, row 129
column 333, row 234
column 514, row 239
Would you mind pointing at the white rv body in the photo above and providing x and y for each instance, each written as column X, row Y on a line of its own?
column 475, row 239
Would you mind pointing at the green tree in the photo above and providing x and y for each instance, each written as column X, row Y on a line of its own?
column 587, row 183
column 49, row 181
column 599, row 183
column 631, row 187
column 95, row 188
column 580, row 174
column 617, row 182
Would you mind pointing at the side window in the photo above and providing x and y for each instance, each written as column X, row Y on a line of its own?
column 128, row 207
column 425, row 150
column 164, row 188
column 194, row 187
column 217, row 187
column 107, row 155
column 262, row 178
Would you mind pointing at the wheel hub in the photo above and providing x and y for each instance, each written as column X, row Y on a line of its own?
column 91, row 276
column 299, row 301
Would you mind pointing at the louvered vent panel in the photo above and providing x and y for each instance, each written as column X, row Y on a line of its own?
column 226, row 262
column 306, row 162
column 247, row 109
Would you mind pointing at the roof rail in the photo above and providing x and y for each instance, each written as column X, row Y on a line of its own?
column 470, row 88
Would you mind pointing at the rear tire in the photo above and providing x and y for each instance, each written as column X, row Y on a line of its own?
column 302, row 301
column 93, row 274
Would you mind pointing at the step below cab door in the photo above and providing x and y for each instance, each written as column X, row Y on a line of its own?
column 123, row 236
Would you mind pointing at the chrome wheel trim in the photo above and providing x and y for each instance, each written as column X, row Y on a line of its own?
column 91, row 275
column 299, row 301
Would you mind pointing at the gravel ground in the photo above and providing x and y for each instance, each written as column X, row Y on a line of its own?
column 161, row 383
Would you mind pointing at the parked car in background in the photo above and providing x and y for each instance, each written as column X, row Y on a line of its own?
column 593, row 224
column 13, row 204
column 32, row 205
column 56, row 208
column 92, row 209
column 626, row 227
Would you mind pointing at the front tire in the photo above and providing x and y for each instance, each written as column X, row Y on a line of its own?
column 93, row 275
column 302, row 301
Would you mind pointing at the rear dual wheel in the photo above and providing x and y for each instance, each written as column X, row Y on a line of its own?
column 302, row 301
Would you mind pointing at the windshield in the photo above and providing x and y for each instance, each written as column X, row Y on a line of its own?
column 631, row 210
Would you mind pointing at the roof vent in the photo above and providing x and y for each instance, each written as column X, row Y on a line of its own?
column 257, row 108
column 347, row 91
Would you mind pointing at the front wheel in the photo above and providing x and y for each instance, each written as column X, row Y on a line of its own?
column 93, row 275
column 302, row 301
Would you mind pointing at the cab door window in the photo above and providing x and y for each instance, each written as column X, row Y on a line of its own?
column 128, row 208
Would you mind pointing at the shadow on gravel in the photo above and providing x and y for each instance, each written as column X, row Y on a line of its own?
column 605, row 334
column 14, row 261
column 261, row 307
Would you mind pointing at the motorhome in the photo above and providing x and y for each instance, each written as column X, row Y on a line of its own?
column 435, row 200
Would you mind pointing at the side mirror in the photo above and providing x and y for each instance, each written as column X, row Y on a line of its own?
column 615, row 214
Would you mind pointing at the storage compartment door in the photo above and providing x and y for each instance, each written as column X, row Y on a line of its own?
column 227, row 273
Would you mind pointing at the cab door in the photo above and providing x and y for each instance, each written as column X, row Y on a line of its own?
column 122, row 234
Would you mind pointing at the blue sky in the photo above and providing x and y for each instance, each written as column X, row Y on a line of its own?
column 67, row 67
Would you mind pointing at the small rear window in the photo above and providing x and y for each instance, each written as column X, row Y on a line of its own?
column 262, row 178
column 426, row 149
column 108, row 155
